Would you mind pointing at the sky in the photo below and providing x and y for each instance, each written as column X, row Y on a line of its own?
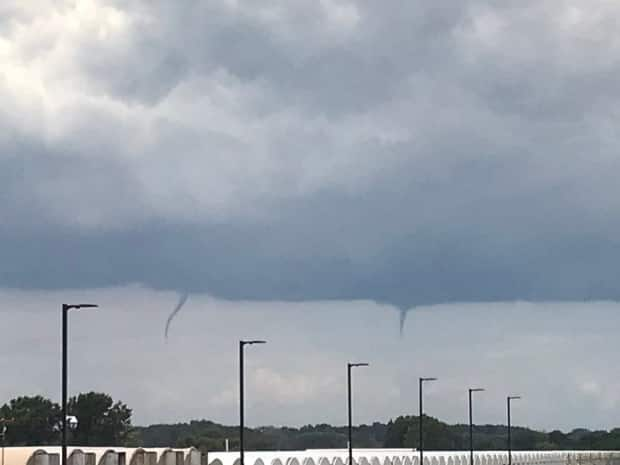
column 308, row 171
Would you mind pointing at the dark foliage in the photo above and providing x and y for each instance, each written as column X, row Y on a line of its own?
column 35, row 421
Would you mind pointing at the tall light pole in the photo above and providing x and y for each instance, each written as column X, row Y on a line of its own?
column 508, row 399
column 65, row 312
column 242, row 344
column 471, row 426
column 421, row 440
column 349, row 366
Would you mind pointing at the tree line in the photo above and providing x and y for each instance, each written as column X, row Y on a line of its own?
column 402, row 432
column 35, row 420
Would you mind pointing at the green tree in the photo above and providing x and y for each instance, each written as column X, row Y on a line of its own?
column 397, row 431
column 557, row 438
column 34, row 421
column 405, row 432
column 101, row 421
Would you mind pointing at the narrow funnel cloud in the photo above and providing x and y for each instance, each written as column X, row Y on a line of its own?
column 403, row 319
column 177, row 309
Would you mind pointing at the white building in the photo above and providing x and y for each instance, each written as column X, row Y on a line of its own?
column 191, row 456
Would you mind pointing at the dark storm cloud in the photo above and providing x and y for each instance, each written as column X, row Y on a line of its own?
column 296, row 262
column 405, row 152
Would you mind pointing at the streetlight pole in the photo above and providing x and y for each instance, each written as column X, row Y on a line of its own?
column 242, row 344
column 421, row 439
column 65, row 313
column 471, row 427
column 508, row 399
column 350, row 445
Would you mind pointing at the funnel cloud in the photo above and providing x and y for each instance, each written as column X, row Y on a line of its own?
column 177, row 309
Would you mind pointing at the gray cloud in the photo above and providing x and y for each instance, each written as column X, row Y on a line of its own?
column 408, row 152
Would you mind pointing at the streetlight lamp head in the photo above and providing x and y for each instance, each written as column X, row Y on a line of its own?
column 428, row 379
column 476, row 389
column 358, row 364
column 513, row 397
column 253, row 341
column 79, row 306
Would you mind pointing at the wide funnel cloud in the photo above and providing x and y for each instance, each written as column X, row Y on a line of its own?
column 403, row 152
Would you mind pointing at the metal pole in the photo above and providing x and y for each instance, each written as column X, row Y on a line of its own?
column 471, row 425
column 350, row 445
column 509, row 438
column 421, row 443
column 508, row 399
column 65, row 316
column 241, row 402
column 350, row 414
column 421, row 419
column 242, row 344
column 65, row 311
column 471, row 433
